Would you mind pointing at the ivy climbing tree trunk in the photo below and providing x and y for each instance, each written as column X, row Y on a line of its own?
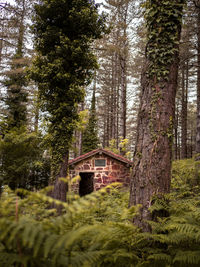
column 152, row 158
column 63, row 67
column 60, row 187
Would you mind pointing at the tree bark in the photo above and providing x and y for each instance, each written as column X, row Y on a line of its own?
column 124, row 105
column 1, row 48
column 112, row 113
column 118, row 102
column 60, row 188
column 108, row 120
column 176, row 122
column 37, row 110
column 75, row 143
column 81, row 134
column 152, row 158
column 123, row 61
column 191, row 141
column 179, row 146
column 184, row 113
column 198, row 87
column 21, row 31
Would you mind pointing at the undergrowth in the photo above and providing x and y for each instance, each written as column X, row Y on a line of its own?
column 97, row 230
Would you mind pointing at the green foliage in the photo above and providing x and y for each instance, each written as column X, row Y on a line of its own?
column 90, row 137
column 64, row 31
column 83, row 236
column 97, row 230
column 22, row 162
column 83, row 120
column 16, row 99
column 163, row 26
column 185, row 176
column 113, row 146
column 123, row 147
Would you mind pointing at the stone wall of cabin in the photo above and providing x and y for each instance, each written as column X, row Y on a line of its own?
column 114, row 171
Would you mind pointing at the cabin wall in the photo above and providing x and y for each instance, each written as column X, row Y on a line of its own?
column 114, row 171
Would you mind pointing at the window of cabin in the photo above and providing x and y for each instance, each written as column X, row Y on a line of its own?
column 100, row 162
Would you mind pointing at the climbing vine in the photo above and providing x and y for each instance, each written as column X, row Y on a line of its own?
column 163, row 22
column 64, row 31
column 163, row 27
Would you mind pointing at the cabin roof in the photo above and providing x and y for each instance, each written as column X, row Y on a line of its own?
column 100, row 151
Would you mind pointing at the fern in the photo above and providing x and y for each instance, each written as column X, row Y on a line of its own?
column 189, row 258
column 97, row 230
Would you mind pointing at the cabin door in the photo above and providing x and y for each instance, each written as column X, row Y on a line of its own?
column 86, row 185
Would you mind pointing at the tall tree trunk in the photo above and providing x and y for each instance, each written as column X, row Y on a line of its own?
column 184, row 113
column 179, row 146
column 108, row 120
column 176, row 134
column 37, row 110
column 124, row 89
column 118, row 102
column 152, row 159
column 123, row 59
column 104, row 131
column 198, row 88
column 112, row 114
column 75, row 143
column 191, row 142
column 81, row 134
column 114, row 97
column 60, row 188
column 21, row 31
column 1, row 48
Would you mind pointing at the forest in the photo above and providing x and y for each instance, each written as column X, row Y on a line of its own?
column 117, row 79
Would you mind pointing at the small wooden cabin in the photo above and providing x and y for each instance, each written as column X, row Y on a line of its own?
column 97, row 169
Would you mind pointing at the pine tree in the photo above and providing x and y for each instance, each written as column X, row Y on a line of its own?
column 65, row 63
column 152, row 158
column 15, row 81
column 90, row 137
column 114, row 76
column 21, row 152
column 16, row 99
column 197, row 6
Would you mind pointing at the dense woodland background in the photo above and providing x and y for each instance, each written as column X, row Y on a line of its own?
column 114, row 90
column 50, row 115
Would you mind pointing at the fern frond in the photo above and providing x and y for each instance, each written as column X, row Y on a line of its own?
column 187, row 258
column 161, row 257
